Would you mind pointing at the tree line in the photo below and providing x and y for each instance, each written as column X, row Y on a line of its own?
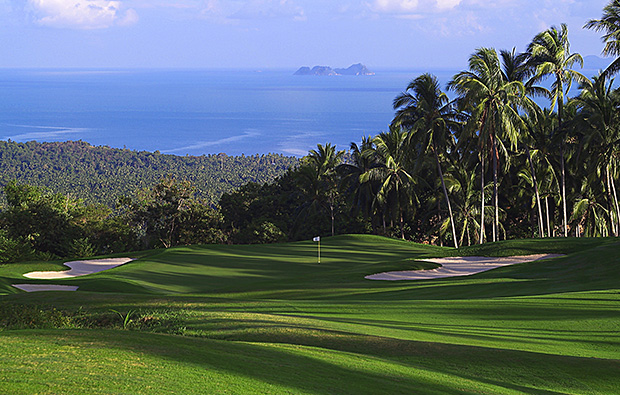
column 490, row 164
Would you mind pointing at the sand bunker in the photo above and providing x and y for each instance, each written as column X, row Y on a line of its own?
column 45, row 287
column 458, row 266
column 80, row 268
column 76, row 268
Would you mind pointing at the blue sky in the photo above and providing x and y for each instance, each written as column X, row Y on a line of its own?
column 412, row 34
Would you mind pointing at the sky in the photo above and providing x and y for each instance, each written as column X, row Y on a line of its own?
column 264, row 34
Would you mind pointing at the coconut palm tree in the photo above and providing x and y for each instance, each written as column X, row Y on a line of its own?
column 360, row 194
column 395, row 193
column 428, row 115
column 516, row 67
column 318, row 177
column 492, row 104
column 609, row 24
column 598, row 120
column 550, row 55
column 538, row 147
column 461, row 183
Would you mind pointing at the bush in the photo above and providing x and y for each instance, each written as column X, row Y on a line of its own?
column 17, row 316
column 14, row 316
column 261, row 232
column 81, row 248
column 12, row 250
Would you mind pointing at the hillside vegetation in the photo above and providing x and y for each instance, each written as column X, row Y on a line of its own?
column 102, row 174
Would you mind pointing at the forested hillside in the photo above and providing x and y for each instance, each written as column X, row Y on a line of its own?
column 102, row 174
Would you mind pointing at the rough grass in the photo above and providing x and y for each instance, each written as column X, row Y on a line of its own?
column 268, row 319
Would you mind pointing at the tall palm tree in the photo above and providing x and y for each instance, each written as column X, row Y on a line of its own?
column 361, row 194
column 395, row 192
column 318, row 175
column 427, row 113
column 598, row 120
column 538, row 146
column 492, row 104
column 550, row 55
column 461, row 182
column 517, row 67
column 609, row 24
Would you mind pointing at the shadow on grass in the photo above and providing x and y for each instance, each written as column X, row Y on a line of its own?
column 287, row 368
column 339, row 363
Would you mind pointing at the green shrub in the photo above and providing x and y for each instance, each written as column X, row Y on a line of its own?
column 81, row 248
column 12, row 250
column 15, row 316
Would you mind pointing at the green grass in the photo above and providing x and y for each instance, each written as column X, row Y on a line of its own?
column 269, row 319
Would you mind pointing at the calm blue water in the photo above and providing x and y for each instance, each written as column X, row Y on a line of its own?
column 197, row 112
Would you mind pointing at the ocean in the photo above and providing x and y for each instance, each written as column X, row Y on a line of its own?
column 196, row 112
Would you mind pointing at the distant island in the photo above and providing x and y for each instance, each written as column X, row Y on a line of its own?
column 356, row 69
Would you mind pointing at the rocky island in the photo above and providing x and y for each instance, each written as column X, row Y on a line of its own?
column 356, row 69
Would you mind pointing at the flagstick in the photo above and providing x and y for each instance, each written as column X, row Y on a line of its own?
column 319, row 251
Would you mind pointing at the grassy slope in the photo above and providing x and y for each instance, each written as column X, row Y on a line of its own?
column 269, row 319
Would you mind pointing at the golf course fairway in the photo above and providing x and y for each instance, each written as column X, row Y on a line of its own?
column 269, row 319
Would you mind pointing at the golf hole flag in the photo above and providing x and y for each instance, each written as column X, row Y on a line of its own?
column 318, row 238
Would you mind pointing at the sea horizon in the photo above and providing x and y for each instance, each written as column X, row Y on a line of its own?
column 199, row 111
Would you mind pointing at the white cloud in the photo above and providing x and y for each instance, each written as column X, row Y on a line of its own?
column 411, row 7
column 447, row 4
column 130, row 18
column 395, row 5
column 81, row 14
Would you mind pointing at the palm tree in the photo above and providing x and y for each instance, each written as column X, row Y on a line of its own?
column 610, row 25
column 391, row 171
column 598, row 120
column 461, row 183
column 550, row 55
column 591, row 216
column 361, row 194
column 427, row 113
column 537, row 143
column 516, row 67
column 318, row 176
column 492, row 103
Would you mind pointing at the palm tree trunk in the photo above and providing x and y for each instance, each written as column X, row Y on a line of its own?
column 496, row 211
column 564, row 210
column 562, row 170
column 613, row 187
column 384, row 226
column 402, row 225
column 482, row 199
column 331, row 208
column 445, row 192
column 439, row 231
column 548, row 220
column 541, row 229
column 468, row 238
column 612, row 222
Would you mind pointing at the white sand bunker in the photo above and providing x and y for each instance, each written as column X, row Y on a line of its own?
column 81, row 268
column 458, row 266
column 45, row 287
column 76, row 268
